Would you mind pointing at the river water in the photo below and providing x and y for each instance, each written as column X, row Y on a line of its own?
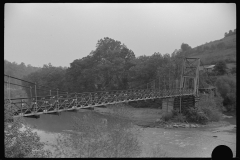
column 176, row 142
column 64, row 121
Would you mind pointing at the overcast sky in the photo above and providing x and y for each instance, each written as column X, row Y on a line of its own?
column 59, row 33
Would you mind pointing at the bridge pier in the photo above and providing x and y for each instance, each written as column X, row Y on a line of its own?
column 167, row 105
column 181, row 103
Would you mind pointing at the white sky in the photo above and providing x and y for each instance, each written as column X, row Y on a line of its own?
column 59, row 33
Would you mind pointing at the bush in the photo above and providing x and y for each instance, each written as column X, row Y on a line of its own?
column 226, row 86
column 212, row 114
column 167, row 116
column 211, row 106
column 22, row 142
column 179, row 118
column 95, row 138
column 196, row 115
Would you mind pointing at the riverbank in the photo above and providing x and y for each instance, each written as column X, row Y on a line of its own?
column 176, row 141
column 159, row 141
column 151, row 117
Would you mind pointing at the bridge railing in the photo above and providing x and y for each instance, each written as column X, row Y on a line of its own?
column 23, row 106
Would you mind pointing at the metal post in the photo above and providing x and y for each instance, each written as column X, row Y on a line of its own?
column 180, row 98
column 76, row 99
column 159, row 83
column 167, row 105
column 57, row 100
column 36, row 95
column 31, row 92
column 21, row 105
column 169, row 79
column 9, row 89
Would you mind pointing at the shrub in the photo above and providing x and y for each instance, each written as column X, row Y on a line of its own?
column 21, row 142
column 19, row 139
column 95, row 138
column 212, row 114
column 175, row 112
column 211, row 106
column 167, row 116
column 226, row 86
column 196, row 115
column 179, row 118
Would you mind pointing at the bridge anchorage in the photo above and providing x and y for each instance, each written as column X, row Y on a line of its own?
column 174, row 95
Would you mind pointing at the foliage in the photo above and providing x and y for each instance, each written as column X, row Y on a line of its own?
column 185, row 47
column 196, row 115
column 14, row 92
column 221, row 45
column 233, row 70
column 220, row 68
column 91, row 138
column 226, row 86
column 209, row 107
column 21, row 142
column 230, row 33
column 19, row 71
column 50, row 76
column 105, row 68
column 167, row 116
column 179, row 117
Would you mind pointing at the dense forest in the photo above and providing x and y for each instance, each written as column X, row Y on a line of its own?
column 19, row 71
column 113, row 66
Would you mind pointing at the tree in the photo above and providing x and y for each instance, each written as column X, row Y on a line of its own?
column 233, row 70
column 225, row 34
column 199, row 49
column 19, row 139
column 206, row 47
column 49, row 76
column 221, row 45
column 220, row 68
column 226, row 86
column 105, row 68
column 213, row 47
column 185, row 47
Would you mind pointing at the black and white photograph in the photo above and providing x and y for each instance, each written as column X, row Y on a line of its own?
column 120, row 80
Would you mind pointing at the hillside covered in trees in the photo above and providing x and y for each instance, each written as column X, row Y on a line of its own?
column 113, row 66
column 19, row 71
column 214, row 51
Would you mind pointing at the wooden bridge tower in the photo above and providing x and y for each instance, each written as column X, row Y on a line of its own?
column 190, row 74
column 189, row 80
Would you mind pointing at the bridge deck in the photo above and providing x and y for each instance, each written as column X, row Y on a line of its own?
column 87, row 100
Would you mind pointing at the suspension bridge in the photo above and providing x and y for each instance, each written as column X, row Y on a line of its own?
column 183, row 92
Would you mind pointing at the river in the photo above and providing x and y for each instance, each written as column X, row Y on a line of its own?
column 176, row 142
